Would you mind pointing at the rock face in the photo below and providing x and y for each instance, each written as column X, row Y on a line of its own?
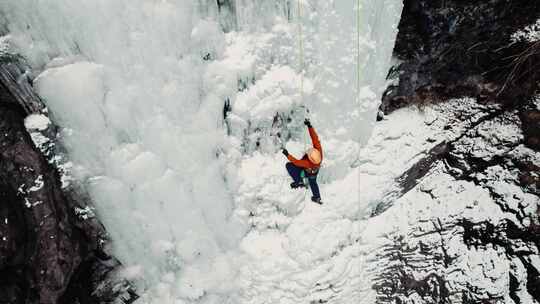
column 489, row 157
column 464, row 48
column 48, row 252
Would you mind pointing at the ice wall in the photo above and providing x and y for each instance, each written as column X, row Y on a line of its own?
column 349, row 53
column 125, row 80
column 139, row 86
column 347, row 49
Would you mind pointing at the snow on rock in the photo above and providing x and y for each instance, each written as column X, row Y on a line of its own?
column 40, row 141
column 530, row 33
column 493, row 138
column 448, row 236
column 527, row 154
column 38, row 122
column 44, row 137
column 5, row 45
column 38, row 184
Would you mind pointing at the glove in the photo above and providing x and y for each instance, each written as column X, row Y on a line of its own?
column 285, row 152
column 307, row 123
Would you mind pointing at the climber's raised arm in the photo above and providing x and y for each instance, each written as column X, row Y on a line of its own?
column 314, row 137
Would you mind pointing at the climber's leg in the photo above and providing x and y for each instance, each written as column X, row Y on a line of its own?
column 295, row 172
column 314, row 189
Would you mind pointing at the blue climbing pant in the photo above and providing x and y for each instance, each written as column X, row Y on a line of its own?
column 297, row 173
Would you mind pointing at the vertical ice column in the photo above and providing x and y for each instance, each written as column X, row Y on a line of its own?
column 378, row 26
column 250, row 15
column 125, row 80
column 261, row 14
column 348, row 48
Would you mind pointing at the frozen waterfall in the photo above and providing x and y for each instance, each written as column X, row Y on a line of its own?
column 198, row 206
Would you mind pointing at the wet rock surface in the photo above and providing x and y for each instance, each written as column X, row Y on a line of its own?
column 49, row 253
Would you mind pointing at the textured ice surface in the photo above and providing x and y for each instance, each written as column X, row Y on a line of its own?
column 199, row 209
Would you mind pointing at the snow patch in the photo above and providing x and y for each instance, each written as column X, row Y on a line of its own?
column 37, row 122
column 530, row 33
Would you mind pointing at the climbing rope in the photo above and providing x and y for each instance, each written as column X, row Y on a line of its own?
column 301, row 66
column 301, row 70
column 358, row 51
column 358, row 83
column 301, row 52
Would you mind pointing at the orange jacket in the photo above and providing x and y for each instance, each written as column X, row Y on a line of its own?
column 305, row 162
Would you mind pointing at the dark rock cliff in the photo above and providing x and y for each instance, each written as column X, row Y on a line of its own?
column 48, row 252
column 451, row 48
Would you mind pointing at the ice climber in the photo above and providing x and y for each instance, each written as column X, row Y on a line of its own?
column 308, row 166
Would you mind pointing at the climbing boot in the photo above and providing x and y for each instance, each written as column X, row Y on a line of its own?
column 296, row 185
column 316, row 200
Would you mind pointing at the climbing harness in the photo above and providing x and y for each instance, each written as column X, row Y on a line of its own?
column 308, row 173
column 311, row 171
